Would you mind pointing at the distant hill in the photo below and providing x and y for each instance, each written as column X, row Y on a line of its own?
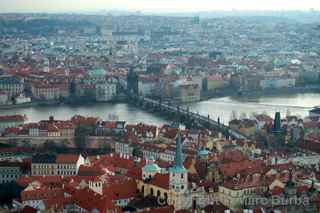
column 42, row 26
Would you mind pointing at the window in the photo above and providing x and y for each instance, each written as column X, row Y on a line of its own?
column 182, row 187
column 181, row 176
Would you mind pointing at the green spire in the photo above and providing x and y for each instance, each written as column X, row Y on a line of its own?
column 178, row 166
column 277, row 123
column 178, row 157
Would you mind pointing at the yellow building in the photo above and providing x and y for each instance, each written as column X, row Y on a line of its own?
column 233, row 194
column 215, row 82
column 170, row 186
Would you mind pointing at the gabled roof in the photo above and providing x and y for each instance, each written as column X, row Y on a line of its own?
column 89, row 200
column 123, row 190
column 67, row 158
column 160, row 180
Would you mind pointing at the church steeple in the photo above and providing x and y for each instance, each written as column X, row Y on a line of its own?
column 178, row 156
column 178, row 176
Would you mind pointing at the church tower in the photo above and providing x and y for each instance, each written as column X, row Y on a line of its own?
column 178, row 175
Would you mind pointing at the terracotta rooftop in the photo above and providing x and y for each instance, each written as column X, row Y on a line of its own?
column 67, row 158
column 160, row 180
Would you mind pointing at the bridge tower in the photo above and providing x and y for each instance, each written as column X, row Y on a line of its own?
column 132, row 82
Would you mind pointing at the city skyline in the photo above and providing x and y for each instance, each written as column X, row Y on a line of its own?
column 152, row 6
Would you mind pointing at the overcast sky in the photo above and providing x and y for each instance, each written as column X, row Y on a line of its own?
column 154, row 5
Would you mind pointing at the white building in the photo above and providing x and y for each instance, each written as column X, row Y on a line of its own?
column 51, row 165
column 105, row 91
column 3, row 98
column 277, row 83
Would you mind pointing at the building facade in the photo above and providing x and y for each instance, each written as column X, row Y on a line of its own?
column 51, row 165
column 12, row 85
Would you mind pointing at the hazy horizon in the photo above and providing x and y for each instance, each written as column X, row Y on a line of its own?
column 176, row 6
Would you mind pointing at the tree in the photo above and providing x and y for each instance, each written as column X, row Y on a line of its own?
column 82, row 131
column 50, row 145
column 136, row 152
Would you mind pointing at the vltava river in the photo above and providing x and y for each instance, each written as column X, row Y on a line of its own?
column 298, row 104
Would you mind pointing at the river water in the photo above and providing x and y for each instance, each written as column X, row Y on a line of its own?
column 224, row 108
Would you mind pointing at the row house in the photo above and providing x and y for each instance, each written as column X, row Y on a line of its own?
column 143, row 130
column 10, row 171
column 105, row 91
column 12, row 85
column 107, row 127
column 8, row 121
column 51, row 165
column 50, row 91
column 277, row 83
column 85, row 90
column 50, row 129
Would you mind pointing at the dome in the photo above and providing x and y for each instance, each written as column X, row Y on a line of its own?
column 177, row 170
column 150, row 168
column 203, row 152
column 97, row 73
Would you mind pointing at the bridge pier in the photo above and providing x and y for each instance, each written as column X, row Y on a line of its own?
column 184, row 115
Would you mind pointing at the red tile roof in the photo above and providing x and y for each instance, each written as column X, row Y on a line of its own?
column 41, row 194
column 67, row 158
column 160, row 180
column 247, row 167
column 12, row 118
column 78, row 119
column 89, row 200
column 123, row 190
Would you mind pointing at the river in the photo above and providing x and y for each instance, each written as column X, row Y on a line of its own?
column 298, row 104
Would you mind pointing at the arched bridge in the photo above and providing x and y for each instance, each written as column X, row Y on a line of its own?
column 186, row 116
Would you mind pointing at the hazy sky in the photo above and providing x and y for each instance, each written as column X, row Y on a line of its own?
column 155, row 5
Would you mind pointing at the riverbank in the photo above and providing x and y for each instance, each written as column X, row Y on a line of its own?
column 69, row 102
column 297, row 104
column 259, row 93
